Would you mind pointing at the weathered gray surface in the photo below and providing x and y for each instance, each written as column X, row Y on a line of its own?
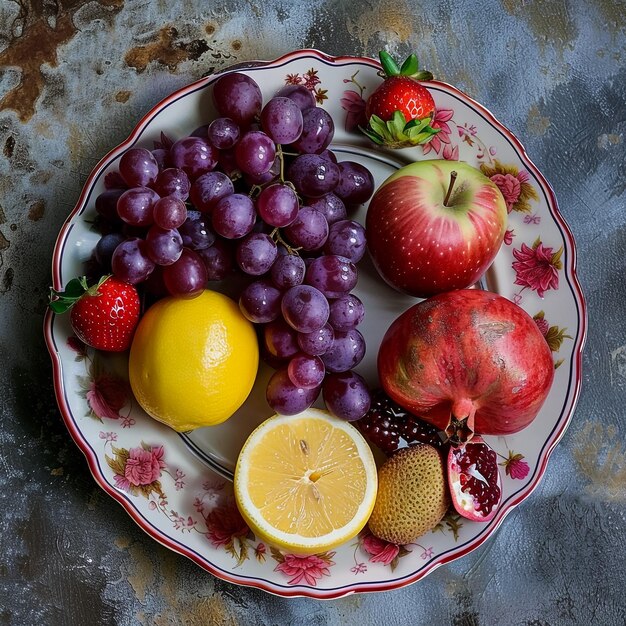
column 553, row 70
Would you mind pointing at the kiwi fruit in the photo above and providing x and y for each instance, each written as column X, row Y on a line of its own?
column 412, row 495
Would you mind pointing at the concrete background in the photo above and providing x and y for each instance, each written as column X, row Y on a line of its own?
column 76, row 75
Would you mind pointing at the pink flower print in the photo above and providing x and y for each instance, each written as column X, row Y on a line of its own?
column 293, row 79
column 180, row 523
column 179, row 483
column 380, row 551
column 542, row 324
column 108, row 436
column 359, row 568
column 537, row 267
column 143, row 467
column 450, row 153
column 440, row 121
column 510, row 187
column 508, row 237
column 260, row 552
column 224, row 524
column 76, row 345
column 532, row 219
column 304, row 568
column 354, row 104
column 128, row 421
column 515, row 466
column 427, row 554
column 311, row 80
column 106, row 395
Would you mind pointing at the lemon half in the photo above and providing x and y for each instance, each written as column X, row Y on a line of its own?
column 193, row 362
column 306, row 483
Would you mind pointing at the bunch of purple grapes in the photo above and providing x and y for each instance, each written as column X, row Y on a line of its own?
column 259, row 192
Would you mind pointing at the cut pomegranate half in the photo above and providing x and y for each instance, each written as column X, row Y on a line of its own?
column 474, row 480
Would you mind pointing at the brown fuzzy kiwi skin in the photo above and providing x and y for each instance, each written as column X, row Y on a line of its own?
column 412, row 495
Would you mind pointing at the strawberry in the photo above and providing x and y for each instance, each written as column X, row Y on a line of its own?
column 103, row 316
column 400, row 110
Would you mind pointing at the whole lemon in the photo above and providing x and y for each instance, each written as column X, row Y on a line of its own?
column 193, row 361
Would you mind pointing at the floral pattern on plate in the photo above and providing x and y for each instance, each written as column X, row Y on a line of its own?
column 178, row 498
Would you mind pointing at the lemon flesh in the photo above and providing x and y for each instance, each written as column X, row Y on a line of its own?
column 193, row 362
column 306, row 483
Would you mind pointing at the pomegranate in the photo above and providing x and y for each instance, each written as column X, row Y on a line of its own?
column 474, row 480
column 389, row 427
column 468, row 361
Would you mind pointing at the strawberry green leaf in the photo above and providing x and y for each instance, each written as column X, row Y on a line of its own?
column 373, row 136
column 75, row 288
column 390, row 67
column 410, row 66
column 397, row 123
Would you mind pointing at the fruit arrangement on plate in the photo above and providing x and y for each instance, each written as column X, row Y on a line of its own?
column 238, row 266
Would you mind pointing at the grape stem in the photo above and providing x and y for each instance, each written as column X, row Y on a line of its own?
column 279, row 154
column 278, row 238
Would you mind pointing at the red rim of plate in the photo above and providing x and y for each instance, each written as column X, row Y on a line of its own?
column 299, row 591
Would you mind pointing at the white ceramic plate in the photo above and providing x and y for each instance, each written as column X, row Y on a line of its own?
column 176, row 487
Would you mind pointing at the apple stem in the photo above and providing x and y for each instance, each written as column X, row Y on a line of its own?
column 453, row 176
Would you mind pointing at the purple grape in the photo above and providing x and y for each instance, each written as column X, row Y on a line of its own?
column 288, row 271
column 346, row 238
column 238, row 97
column 172, row 182
column 302, row 96
column 154, row 285
column 305, row 308
column 256, row 254
column 329, row 155
column 280, row 339
column 317, row 342
column 194, row 155
column 346, row 351
column 162, row 157
column 187, row 277
column 164, row 247
column 346, row 312
column 201, row 131
column 169, row 212
column 330, row 206
column 255, row 153
column 113, row 180
column 277, row 205
column 218, row 260
column 138, row 167
column 333, row 275
column 347, row 395
column 281, row 119
column 130, row 262
column 223, row 133
column 260, row 302
column 306, row 371
column 287, row 399
column 135, row 206
column 228, row 164
column 265, row 177
column 106, row 203
column 196, row 232
column 309, row 230
column 317, row 131
column 208, row 189
column 313, row 176
column 233, row 216
column 105, row 248
column 356, row 183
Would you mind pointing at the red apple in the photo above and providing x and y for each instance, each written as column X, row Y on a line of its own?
column 434, row 226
